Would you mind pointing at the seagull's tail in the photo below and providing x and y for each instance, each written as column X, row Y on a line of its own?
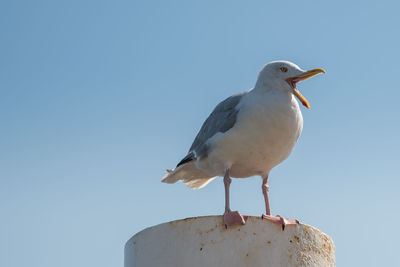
column 189, row 174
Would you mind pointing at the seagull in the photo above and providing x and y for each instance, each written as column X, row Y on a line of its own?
column 247, row 135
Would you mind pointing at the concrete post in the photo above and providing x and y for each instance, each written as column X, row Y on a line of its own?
column 204, row 241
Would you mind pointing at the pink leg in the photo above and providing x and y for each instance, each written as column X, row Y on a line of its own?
column 231, row 217
column 265, row 189
column 275, row 219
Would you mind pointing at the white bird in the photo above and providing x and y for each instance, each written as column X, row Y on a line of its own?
column 248, row 134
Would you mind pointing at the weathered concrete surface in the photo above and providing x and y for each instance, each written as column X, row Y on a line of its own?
column 204, row 241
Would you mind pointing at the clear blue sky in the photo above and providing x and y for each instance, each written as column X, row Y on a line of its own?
column 98, row 98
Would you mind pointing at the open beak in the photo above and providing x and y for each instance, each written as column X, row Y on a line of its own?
column 304, row 76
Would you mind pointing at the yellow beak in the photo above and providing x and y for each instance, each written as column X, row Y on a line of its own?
column 304, row 76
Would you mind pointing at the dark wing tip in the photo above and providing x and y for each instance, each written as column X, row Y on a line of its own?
column 189, row 157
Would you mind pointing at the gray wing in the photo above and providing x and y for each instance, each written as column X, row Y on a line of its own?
column 220, row 120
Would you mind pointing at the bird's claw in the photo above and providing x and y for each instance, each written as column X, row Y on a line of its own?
column 233, row 217
column 280, row 220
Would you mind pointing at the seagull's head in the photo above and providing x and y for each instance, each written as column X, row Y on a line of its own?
column 284, row 75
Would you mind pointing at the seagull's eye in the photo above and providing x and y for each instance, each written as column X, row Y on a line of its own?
column 283, row 69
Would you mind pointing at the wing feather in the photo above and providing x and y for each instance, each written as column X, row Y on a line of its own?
column 221, row 119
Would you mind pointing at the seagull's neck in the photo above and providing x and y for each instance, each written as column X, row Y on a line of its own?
column 261, row 89
column 273, row 95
